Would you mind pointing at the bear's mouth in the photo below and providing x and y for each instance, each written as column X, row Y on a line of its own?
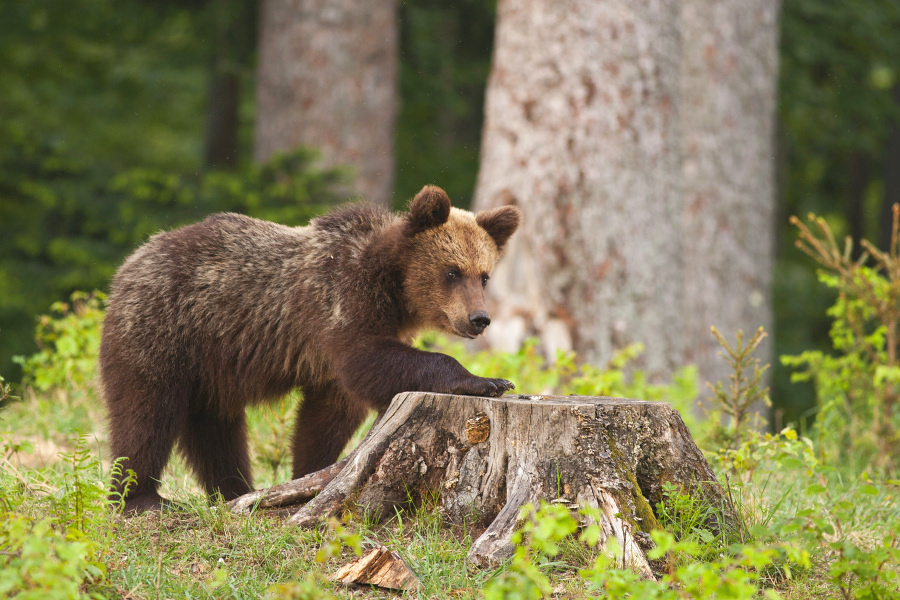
column 467, row 332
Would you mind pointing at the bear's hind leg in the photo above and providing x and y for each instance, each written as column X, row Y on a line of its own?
column 215, row 447
column 326, row 420
column 142, row 436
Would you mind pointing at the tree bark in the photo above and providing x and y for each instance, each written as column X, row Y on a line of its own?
column 487, row 457
column 637, row 138
column 326, row 79
column 728, row 87
column 233, row 23
column 891, row 179
column 580, row 132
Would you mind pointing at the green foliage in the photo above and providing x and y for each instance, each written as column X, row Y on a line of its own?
column 69, row 342
column 6, row 394
column 64, row 551
column 834, row 525
column 687, row 518
column 313, row 587
column 40, row 562
column 838, row 66
column 288, row 189
column 838, row 108
column 538, row 539
column 743, row 395
column 445, row 58
column 735, row 574
column 858, row 388
column 861, row 568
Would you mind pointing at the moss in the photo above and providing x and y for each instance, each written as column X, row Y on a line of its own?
column 643, row 517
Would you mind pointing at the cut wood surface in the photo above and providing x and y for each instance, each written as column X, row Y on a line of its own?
column 483, row 458
column 380, row 567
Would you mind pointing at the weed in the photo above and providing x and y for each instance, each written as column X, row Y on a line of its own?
column 312, row 588
column 858, row 389
column 538, row 539
column 741, row 398
column 6, row 394
column 69, row 342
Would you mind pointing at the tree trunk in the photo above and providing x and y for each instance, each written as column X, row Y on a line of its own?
column 581, row 133
column 326, row 79
column 232, row 23
column 221, row 141
column 729, row 74
column 637, row 139
column 489, row 456
column 891, row 179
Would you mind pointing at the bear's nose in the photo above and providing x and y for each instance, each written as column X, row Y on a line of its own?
column 479, row 319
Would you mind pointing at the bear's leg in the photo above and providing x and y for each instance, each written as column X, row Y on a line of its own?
column 144, row 434
column 326, row 420
column 215, row 447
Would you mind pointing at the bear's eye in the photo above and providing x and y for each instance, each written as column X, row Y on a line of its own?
column 484, row 279
column 453, row 274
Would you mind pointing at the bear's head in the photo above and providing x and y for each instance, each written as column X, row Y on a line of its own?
column 451, row 254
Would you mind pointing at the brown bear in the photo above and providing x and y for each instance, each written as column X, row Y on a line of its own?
column 232, row 311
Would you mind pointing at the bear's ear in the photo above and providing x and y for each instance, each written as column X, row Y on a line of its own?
column 500, row 223
column 430, row 208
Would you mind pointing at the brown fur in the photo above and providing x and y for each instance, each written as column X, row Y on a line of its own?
column 207, row 319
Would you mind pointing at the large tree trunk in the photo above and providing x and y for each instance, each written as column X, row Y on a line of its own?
column 326, row 79
column 489, row 456
column 581, row 133
column 729, row 74
column 637, row 139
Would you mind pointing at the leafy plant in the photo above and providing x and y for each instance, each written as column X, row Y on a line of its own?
column 735, row 575
column 743, row 394
column 6, row 394
column 69, row 342
column 312, row 588
column 736, row 572
column 38, row 561
column 859, row 388
column 687, row 518
column 60, row 553
column 538, row 539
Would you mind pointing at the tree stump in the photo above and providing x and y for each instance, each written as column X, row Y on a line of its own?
column 486, row 457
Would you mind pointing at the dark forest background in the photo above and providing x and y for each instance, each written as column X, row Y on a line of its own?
column 114, row 124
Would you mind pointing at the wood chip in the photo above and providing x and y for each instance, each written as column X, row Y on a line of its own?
column 380, row 567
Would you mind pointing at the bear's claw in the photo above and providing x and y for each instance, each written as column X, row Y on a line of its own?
column 482, row 386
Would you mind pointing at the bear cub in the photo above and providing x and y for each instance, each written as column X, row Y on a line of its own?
column 208, row 319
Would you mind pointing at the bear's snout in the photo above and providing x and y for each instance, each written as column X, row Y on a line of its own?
column 479, row 320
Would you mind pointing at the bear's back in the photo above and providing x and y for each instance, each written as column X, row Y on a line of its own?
column 232, row 296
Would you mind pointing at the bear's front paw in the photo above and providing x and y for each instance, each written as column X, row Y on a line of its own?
column 484, row 386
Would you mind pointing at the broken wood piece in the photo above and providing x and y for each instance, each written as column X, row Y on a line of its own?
column 380, row 567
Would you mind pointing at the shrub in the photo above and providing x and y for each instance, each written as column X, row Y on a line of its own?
column 61, row 553
column 69, row 342
column 858, row 387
